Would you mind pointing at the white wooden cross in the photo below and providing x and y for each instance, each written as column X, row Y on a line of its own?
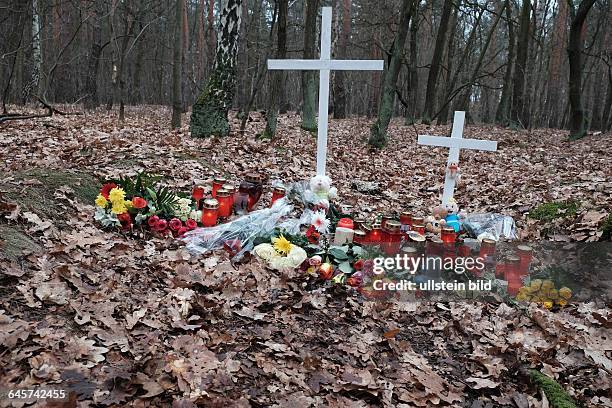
column 325, row 64
column 455, row 143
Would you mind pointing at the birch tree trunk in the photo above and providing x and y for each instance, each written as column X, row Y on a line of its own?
column 209, row 115
column 35, row 80
column 378, row 131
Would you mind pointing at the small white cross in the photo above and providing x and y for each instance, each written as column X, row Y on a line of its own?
column 455, row 143
column 325, row 64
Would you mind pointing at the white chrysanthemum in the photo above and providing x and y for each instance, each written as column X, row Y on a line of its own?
column 265, row 251
column 281, row 263
column 183, row 209
column 296, row 256
column 320, row 222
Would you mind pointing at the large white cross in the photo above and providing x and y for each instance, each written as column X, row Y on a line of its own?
column 325, row 64
column 455, row 143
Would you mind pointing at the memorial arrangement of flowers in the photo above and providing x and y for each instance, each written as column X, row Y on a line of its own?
column 281, row 254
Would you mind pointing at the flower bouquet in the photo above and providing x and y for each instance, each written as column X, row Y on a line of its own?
column 281, row 254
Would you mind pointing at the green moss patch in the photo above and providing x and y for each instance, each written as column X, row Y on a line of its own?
column 554, row 210
column 607, row 229
column 555, row 393
column 14, row 242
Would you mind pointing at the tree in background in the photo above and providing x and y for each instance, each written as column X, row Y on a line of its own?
column 177, row 98
column 578, row 123
column 517, row 116
column 344, row 33
column 309, row 78
column 277, row 77
column 209, row 115
column 378, row 131
column 436, row 61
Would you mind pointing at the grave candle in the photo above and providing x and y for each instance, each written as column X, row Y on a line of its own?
column 487, row 252
column 367, row 229
column 217, row 184
column 392, row 237
column 375, row 235
column 278, row 192
column 197, row 194
column 359, row 237
column 525, row 253
column 416, row 221
column 419, row 228
column 344, row 232
column 225, row 203
column 359, row 222
column 405, row 220
column 252, row 186
column 231, row 189
column 210, row 211
column 512, row 274
column 448, row 235
column 384, row 220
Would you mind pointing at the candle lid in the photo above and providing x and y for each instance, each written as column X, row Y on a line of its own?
column 449, row 230
column 409, row 249
column 376, row 226
column 488, row 242
column 345, row 223
column 524, row 248
column 415, row 236
column 513, row 259
column 219, row 180
column 222, row 192
column 360, row 233
column 229, row 187
column 393, row 225
column 253, row 177
column 406, row 214
column 417, row 220
column 211, row 204
column 366, row 228
column 280, row 190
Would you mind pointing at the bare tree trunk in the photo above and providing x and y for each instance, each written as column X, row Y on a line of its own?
column 277, row 77
column 378, row 131
column 209, row 115
column 450, row 55
column 578, row 123
column 434, row 69
column 177, row 52
column 339, row 89
column 309, row 78
column 503, row 108
column 36, row 69
column 520, row 72
column 413, row 74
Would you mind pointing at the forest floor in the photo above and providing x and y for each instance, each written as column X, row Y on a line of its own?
column 102, row 313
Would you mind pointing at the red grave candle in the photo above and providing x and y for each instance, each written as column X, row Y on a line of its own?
column 525, row 254
column 225, row 203
column 210, row 211
column 392, row 237
column 416, row 221
column 375, row 235
column 448, row 235
column 405, row 218
column 217, row 184
column 359, row 237
column 420, row 228
column 197, row 194
column 278, row 192
column 512, row 274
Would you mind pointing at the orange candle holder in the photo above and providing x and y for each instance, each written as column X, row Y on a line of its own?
column 217, row 184
column 225, row 203
column 448, row 235
column 375, row 235
column 416, row 221
column 210, row 212
column 392, row 237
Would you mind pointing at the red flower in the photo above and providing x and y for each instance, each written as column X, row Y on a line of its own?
column 175, row 224
column 106, row 188
column 182, row 231
column 191, row 224
column 312, row 235
column 161, row 226
column 355, row 280
column 139, row 202
column 152, row 221
column 358, row 265
column 126, row 221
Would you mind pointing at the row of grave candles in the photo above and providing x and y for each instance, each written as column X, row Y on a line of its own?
column 227, row 199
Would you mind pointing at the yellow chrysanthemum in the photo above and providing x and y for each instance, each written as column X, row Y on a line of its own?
column 548, row 304
column 116, row 195
column 553, row 294
column 565, row 293
column 119, row 208
column 101, row 201
column 128, row 203
column 281, row 245
column 536, row 284
column 547, row 285
column 562, row 302
column 522, row 297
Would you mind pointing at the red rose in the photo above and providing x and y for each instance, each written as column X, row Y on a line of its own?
column 139, row 202
column 106, row 188
column 358, row 265
column 126, row 220
column 312, row 235
column 152, row 221
column 161, row 226
column 182, row 231
column 191, row 224
column 175, row 224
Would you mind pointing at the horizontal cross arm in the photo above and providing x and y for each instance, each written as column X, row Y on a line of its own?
column 335, row 65
column 473, row 144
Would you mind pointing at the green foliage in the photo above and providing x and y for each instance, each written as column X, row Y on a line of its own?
column 554, row 210
column 163, row 201
column 138, row 185
column 556, row 395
